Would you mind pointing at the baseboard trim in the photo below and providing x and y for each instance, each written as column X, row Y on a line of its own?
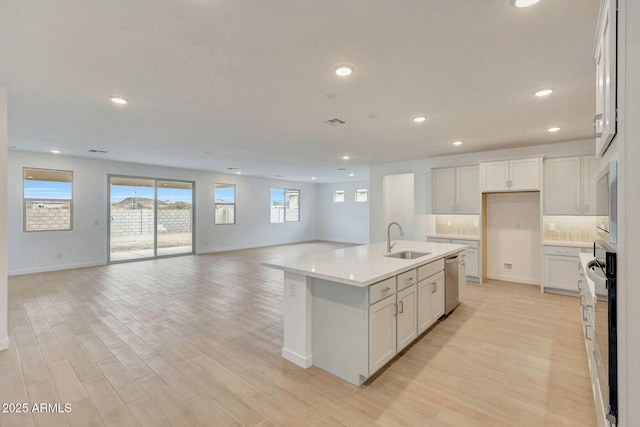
column 55, row 268
column 4, row 343
column 513, row 279
column 293, row 357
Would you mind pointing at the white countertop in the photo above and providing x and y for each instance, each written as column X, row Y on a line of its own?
column 453, row 236
column 363, row 265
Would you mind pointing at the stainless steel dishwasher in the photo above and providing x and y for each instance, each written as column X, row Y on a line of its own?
column 450, row 283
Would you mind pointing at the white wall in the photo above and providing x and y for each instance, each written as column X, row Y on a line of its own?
column 422, row 182
column 4, row 307
column 343, row 222
column 513, row 236
column 86, row 244
column 398, row 200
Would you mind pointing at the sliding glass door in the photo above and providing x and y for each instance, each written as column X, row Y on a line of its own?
column 149, row 218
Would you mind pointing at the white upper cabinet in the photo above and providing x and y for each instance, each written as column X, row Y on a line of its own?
column 455, row 190
column 604, row 122
column 569, row 185
column 444, row 188
column 590, row 171
column 511, row 175
column 467, row 190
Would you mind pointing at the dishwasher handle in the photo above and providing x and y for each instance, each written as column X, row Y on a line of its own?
column 451, row 259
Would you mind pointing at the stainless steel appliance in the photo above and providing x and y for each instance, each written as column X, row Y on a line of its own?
column 607, row 203
column 603, row 272
column 450, row 283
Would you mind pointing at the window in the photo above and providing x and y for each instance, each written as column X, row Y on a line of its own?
column 48, row 199
column 362, row 195
column 225, row 201
column 285, row 205
column 338, row 196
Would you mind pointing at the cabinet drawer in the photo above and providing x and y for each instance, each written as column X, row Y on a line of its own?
column 407, row 279
column 438, row 240
column 471, row 243
column 430, row 269
column 382, row 289
column 563, row 250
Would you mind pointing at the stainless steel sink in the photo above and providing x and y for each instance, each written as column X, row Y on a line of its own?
column 407, row 254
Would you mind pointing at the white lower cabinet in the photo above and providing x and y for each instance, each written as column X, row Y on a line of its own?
column 382, row 333
column 472, row 255
column 407, row 323
column 430, row 301
column 562, row 267
column 462, row 274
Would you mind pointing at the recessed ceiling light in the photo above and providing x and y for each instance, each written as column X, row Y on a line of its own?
column 118, row 100
column 55, row 151
column 345, row 157
column 419, row 119
column 553, row 129
column 351, row 174
column 238, row 173
column 543, row 92
column 525, row 3
column 313, row 178
column 30, row 177
column 457, row 143
column 344, row 70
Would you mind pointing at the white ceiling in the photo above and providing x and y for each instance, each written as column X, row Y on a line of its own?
column 217, row 84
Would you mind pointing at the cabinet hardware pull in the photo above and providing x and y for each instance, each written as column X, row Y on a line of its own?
column 401, row 306
column 408, row 279
column 387, row 289
column 506, row 184
column 596, row 119
column 578, row 208
column 586, row 207
column 453, row 208
column 434, row 287
column 395, row 309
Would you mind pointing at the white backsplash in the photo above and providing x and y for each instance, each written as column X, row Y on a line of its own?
column 570, row 228
column 459, row 225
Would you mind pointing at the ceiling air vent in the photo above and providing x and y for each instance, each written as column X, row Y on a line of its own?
column 97, row 151
column 335, row 122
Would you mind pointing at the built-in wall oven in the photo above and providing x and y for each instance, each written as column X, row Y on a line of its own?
column 603, row 272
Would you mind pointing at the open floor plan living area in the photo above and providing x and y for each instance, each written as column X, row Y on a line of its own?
column 363, row 213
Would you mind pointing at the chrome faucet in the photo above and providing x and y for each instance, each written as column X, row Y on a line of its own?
column 389, row 245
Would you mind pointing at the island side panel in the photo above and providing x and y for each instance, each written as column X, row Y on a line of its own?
column 340, row 330
column 298, row 317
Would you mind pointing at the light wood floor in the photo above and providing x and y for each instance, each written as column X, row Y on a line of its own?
column 196, row 341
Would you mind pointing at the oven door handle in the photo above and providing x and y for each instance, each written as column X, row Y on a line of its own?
column 597, row 279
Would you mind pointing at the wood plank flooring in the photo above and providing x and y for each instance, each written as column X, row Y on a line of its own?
column 196, row 341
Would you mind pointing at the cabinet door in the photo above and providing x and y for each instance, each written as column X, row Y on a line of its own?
column 443, row 182
column 462, row 279
column 524, row 174
column 407, row 322
column 425, row 316
column 494, row 176
column 468, row 190
column 562, row 272
column 382, row 333
column 438, row 240
column 562, row 186
column 437, row 297
column 472, row 262
column 590, row 170
column 605, row 54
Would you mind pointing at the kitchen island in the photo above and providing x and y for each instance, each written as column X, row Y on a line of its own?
column 350, row 311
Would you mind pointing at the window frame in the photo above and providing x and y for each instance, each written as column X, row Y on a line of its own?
column 366, row 192
column 335, row 196
column 26, row 200
column 285, row 191
column 216, row 204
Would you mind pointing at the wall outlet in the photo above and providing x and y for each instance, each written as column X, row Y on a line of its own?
column 59, row 256
column 552, row 226
column 448, row 223
column 475, row 222
column 508, row 266
column 517, row 225
column 292, row 290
